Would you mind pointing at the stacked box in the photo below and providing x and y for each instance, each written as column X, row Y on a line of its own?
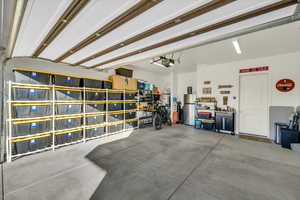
column 25, row 145
column 68, row 122
column 30, row 93
column 31, row 127
column 68, row 108
column 95, row 95
column 115, row 95
column 94, row 119
column 30, row 110
column 91, row 107
column 130, row 114
column 69, row 81
column 94, row 131
column 131, row 124
column 107, row 85
column 115, row 127
column 65, row 94
column 115, row 106
column 130, row 95
column 115, row 116
column 130, row 105
column 65, row 137
column 32, row 77
column 93, row 83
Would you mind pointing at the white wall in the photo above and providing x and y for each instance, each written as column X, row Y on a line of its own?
column 184, row 80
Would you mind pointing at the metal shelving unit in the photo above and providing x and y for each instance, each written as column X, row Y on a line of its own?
column 53, row 132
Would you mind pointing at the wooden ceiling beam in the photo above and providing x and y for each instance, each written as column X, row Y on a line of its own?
column 212, row 5
column 70, row 13
column 139, row 8
column 227, row 22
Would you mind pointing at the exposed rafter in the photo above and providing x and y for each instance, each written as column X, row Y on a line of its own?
column 212, row 5
column 227, row 22
column 74, row 8
column 128, row 15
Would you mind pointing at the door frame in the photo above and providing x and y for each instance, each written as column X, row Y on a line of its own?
column 267, row 73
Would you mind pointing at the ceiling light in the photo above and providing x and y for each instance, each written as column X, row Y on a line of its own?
column 163, row 61
column 237, row 46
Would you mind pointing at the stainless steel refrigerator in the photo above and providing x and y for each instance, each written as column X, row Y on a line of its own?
column 189, row 109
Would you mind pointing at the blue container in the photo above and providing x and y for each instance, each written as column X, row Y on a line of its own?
column 198, row 123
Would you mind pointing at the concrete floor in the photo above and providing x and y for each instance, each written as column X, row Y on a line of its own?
column 173, row 163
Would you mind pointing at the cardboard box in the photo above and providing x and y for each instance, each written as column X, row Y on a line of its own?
column 123, row 83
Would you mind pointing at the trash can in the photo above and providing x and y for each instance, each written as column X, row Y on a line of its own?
column 30, row 93
column 32, row 77
column 289, row 136
column 31, row 127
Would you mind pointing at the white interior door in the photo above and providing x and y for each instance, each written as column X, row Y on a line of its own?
column 254, row 104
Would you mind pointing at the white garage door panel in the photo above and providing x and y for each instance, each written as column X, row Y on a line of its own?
column 254, row 104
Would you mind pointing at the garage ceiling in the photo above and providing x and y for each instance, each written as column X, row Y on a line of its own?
column 106, row 33
column 274, row 41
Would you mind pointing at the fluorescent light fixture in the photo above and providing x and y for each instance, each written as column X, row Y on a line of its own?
column 237, row 46
column 158, row 64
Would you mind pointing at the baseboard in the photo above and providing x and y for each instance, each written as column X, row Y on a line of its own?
column 255, row 138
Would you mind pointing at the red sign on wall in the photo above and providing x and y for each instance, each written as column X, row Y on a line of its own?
column 285, row 85
column 255, row 69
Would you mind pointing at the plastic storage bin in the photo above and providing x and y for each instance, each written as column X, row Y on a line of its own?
column 124, row 72
column 130, row 95
column 65, row 94
column 115, row 106
column 69, row 81
column 95, row 95
column 130, row 105
column 94, row 131
column 66, row 108
column 115, row 95
column 92, row 83
column 107, row 85
column 25, row 145
column 131, row 124
column 31, row 127
column 94, row 119
column 65, row 137
column 68, row 122
column 130, row 114
column 92, row 107
column 115, row 116
column 115, row 128
column 30, row 93
column 32, row 77
column 30, row 110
